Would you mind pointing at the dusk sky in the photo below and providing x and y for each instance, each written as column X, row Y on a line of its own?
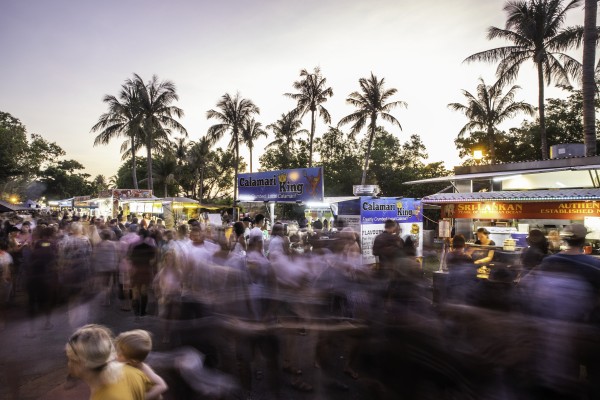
column 59, row 59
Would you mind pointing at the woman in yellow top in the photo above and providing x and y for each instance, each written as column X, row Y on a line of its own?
column 92, row 358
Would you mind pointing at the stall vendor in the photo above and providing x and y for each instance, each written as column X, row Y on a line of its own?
column 482, row 256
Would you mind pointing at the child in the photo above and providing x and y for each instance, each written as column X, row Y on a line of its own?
column 132, row 348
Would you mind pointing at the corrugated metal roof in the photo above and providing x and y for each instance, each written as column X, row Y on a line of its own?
column 490, row 175
column 524, row 195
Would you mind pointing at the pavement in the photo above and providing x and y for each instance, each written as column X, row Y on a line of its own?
column 33, row 364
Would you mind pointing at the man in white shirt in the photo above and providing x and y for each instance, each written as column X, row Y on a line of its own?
column 257, row 230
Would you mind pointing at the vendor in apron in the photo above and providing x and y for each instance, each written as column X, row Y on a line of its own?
column 482, row 256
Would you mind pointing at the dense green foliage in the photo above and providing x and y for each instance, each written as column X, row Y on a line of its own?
column 33, row 167
column 564, row 124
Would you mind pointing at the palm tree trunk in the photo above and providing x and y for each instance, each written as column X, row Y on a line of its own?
column 133, row 165
column 201, row 191
column 312, row 135
column 250, row 148
column 589, row 86
column 543, row 139
column 492, row 144
column 166, row 194
column 368, row 155
column 237, row 161
column 149, row 166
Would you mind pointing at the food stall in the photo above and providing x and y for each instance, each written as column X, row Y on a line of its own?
column 511, row 199
column 111, row 202
column 173, row 210
column 367, row 216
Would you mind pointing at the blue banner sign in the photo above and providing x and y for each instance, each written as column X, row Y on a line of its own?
column 377, row 210
column 290, row 185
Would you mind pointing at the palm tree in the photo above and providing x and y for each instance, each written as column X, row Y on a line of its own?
column 99, row 183
column 252, row 131
column 198, row 157
column 165, row 169
column 286, row 129
column 233, row 113
column 112, row 182
column 488, row 109
column 180, row 150
column 156, row 113
column 370, row 104
column 590, row 37
column 122, row 119
column 312, row 94
column 534, row 28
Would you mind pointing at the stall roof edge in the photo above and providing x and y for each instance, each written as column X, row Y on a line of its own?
column 521, row 196
column 491, row 171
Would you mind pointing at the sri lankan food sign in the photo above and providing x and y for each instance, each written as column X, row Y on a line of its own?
column 290, row 185
column 531, row 210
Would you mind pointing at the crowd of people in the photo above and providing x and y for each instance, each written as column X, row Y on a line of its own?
column 249, row 301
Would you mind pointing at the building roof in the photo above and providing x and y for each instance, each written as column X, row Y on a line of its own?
column 515, row 196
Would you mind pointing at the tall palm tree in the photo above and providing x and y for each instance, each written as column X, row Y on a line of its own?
column 286, row 129
column 157, row 115
column 535, row 29
column 122, row 119
column 489, row 108
column 370, row 104
column 313, row 92
column 233, row 113
column 252, row 131
column 590, row 38
column 198, row 158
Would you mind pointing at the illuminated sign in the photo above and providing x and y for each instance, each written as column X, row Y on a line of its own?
column 301, row 184
column 531, row 210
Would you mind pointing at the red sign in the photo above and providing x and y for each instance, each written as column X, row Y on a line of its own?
column 528, row 210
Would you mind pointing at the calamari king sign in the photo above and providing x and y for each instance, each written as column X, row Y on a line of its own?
column 290, row 185
column 538, row 210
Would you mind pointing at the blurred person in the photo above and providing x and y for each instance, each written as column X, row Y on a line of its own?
column 92, row 358
column 257, row 229
column 75, row 251
column 143, row 257
column 105, row 265
column 538, row 248
column 238, row 244
column 279, row 243
column 388, row 247
column 92, row 234
column 564, row 290
column 126, row 243
column 462, row 273
column 554, row 241
column 113, row 225
column 41, row 277
column 5, row 281
column 18, row 251
column 168, row 285
column 132, row 349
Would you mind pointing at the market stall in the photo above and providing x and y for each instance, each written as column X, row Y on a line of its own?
column 300, row 186
column 112, row 201
column 367, row 216
column 173, row 210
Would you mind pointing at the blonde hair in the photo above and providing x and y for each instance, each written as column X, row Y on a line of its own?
column 134, row 345
column 92, row 347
